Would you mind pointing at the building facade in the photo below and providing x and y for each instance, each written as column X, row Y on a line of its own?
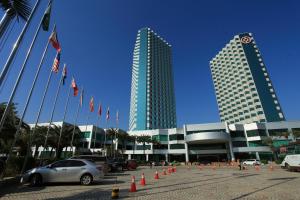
column 215, row 141
column 242, row 84
column 152, row 103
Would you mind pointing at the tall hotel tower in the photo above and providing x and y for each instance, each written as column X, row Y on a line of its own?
column 152, row 103
column 242, row 84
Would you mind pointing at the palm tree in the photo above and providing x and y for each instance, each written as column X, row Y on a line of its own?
column 122, row 138
column 38, row 138
column 144, row 139
column 269, row 141
column 110, row 134
column 296, row 134
column 155, row 143
column 132, row 138
column 13, row 9
column 66, row 137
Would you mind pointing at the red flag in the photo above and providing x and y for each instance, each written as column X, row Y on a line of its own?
column 55, row 66
column 81, row 98
column 75, row 88
column 92, row 104
column 54, row 41
column 107, row 114
column 100, row 110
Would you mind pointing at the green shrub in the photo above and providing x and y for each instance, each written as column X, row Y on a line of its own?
column 15, row 164
column 264, row 161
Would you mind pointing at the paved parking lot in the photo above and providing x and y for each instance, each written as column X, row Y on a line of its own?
column 222, row 183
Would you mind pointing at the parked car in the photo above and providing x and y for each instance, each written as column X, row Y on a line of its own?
column 251, row 162
column 71, row 170
column 116, row 164
column 101, row 161
column 291, row 162
column 131, row 164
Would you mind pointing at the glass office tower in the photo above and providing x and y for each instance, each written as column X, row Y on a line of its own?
column 242, row 84
column 152, row 103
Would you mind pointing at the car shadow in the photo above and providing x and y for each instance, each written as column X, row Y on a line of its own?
column 15, row 189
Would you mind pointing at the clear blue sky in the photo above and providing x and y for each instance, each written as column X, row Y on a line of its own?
column 97, row 39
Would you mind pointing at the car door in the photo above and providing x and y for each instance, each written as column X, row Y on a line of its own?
column 75, row 170
column 58, row 171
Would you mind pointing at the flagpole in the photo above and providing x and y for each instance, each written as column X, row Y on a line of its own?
column 26, row 105
column 12, row 95
column 75, row 121
column 98, row 126
column 105, row 139
column 52, row 113
column 17, row 44
column 117, row 120
column 86, row 122
column 65, row 113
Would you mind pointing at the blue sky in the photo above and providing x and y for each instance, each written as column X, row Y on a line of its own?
column 98, row 36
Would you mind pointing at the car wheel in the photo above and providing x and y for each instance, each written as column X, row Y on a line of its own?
column 86, row 179
column 36, row 180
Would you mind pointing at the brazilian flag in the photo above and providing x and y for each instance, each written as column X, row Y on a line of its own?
column 46, row 18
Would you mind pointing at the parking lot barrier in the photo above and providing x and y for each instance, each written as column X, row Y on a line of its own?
column 115, row 192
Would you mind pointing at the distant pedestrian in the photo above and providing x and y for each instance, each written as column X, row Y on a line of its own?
column 240, row 164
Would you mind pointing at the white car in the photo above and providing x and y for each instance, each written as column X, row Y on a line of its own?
column 291, row 162
column 71, row 170
column 251, row 162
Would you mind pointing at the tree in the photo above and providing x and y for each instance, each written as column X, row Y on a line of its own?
column 132, row 138
column 144, row 139
column 53, row 138
column 111, row 134
column 66, row 137
column 122, row 138
column 296, row 134
column 269, row 141
column 13, row 9
column 10, row 127
column 38, row 138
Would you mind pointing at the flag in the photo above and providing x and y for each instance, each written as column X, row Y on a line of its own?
column 55, row 67
column 107, row 114
column 54, row 41
column 81, row 98
column 64, row 74
column 74, row 86
column 117, row 116
column 46, row 18
column 92, row 104
column 100, row 110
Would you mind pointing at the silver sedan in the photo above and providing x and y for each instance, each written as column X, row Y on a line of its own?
column 72, row 170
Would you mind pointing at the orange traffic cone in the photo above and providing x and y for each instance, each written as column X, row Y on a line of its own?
column 133, row 186
column 174, row 169
column 213, row 167
column 164, row 172
column 156, row 175
column 169, row 170
column 257, row 168
column 143, row 180
column 199, row 167
column 271, row 168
